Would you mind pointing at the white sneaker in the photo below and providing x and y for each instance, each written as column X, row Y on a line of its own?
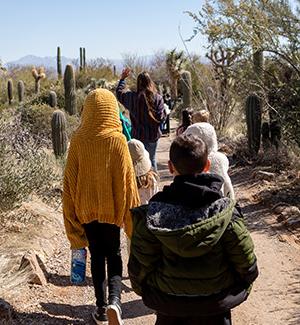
column 113, row 312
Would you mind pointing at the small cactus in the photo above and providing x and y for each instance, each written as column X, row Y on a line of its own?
column 21, row 91
column 186, row 88
column 70, row 90
column 253, row 119
column 59, row 69
column 52, row 99
column 59, row 134
column 10, row 88
column 38, row 75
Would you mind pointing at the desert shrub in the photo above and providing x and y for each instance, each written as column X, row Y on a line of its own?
column 26, row 167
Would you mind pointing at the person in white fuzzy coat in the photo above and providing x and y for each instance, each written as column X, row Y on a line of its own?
column 219, row 161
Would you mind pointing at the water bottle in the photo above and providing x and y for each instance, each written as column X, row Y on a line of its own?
column 78, row 265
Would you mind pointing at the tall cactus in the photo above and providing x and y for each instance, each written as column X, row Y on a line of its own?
column 83, row 59
column 80, row 58
column 21, row 91
column 59, row 134
column 38, row 75
column 59, row 69
column 185, row 83
column 52, row 99
column 253, row 119
column 70, row 90
column 10, row 88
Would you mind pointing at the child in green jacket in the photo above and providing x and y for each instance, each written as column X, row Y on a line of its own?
column 192, row 258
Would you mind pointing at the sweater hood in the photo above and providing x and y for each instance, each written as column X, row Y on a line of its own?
column 190, row 230
column 100, row 115
column 206, row 132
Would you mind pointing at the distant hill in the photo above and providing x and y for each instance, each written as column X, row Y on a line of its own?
column 32, row 60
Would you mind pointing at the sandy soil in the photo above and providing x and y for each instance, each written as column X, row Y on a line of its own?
column 275, row 297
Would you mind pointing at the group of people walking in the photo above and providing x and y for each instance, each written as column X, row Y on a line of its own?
column 191, row 257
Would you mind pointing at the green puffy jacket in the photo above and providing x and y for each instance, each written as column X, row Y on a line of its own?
column 190, row 251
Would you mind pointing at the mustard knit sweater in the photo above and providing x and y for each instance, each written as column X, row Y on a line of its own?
column 99, row 180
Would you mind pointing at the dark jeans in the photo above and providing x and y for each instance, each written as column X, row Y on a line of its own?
column 151, row 148
column 222, row 319
column 104, row 244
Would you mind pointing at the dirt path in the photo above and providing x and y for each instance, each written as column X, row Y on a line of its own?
column 275, row 298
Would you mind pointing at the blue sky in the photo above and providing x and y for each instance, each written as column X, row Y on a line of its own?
column 105, row 28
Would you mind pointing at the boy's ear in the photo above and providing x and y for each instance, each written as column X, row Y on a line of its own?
column 171, row 167
column 207, row 166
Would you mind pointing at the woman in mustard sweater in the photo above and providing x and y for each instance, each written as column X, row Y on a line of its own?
column 99, row 191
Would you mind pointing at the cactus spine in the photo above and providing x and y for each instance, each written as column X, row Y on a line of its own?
column 59, row 134
column 186, row 88
column 253, row 118
column 70, row 90
column 38, row 75
column 21, row 91
column 10, row 88
column 52, row 99
column 59, row 69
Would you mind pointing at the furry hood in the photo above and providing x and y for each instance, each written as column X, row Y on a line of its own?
column 190, row 229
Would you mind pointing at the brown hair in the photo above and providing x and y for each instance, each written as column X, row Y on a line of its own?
column 146, row 90
column 201, row 116
column 146, row 181
column 188, row 154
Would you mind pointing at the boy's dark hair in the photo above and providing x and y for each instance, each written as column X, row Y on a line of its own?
column 188, row 154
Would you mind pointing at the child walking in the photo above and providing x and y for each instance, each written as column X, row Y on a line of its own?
column 192, row 258
column 99, row 191
column 147, row 179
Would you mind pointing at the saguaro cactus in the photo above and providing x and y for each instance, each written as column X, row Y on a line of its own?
column 80, row 58
column 21, row 91
column 59, row 69
column 10, row 88
column 253, row 118
column 185, row 83
column 52, row 99
column 70, row 90
column 38, row 75
column 59, row 134
column 83, row 59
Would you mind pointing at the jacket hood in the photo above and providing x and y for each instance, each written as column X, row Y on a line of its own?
column 100, row 115
column 190, row 230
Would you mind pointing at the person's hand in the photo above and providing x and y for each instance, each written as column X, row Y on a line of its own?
column 125, row 73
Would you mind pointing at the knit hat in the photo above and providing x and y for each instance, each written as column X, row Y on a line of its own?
column 140, row 157
column 206, row 132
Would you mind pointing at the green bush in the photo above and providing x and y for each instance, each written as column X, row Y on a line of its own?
column 26, row 166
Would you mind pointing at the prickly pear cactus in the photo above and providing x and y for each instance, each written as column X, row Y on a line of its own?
column 59, row 69
column 253, row 119
column 21, row 91
column 59, row 134
column 185, row 84
column 10, row 88
column 70, row 90
column 52, row 99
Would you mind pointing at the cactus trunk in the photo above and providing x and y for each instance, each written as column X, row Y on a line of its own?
column 80, row 58
column 59, row 69
column 21, row 91
column 70, row 90
column 52, row 99
column 253, row 118
column 59, row 134
column 185, row 83
column 10, row 88
column 83, row 59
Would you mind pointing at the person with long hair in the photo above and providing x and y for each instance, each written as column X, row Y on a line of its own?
column 146, row 109
column 186, row 121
